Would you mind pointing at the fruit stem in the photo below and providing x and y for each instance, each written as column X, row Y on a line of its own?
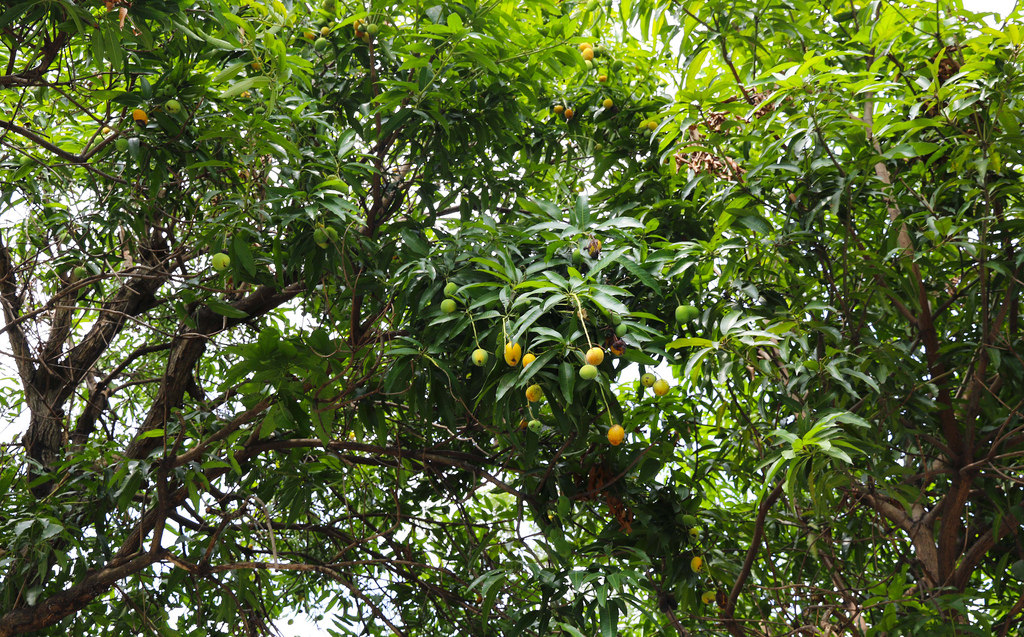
column 579, row 312
column 472, row 324
column 607, row 407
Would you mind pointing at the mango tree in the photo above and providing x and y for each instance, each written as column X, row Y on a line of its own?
column 511, row 318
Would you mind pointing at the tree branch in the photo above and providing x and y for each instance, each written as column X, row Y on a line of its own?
column 34, row 76
column 977, row 551
column 458, row 459
column 1013, row 612
column 60, row 605
column 53, row 148
column 916, row 529
column 12, row 315
column 961, row 451
column 728, row 613
column 188, row 348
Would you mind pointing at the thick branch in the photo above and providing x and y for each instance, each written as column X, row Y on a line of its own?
column 135, row 297
column 1013, row 612
column 950, row 525
column 728, row 613
column 56, row 607
column 977, row 551
column 977, row 387
column 34, row 75
column 60, row 330
column 188, row 348
column 99, row 395
column 12, row 313
column 458, row 459
column 51, row 385
column 42, row 142
column 919, row 533
column 924, row 321
column 961, row 451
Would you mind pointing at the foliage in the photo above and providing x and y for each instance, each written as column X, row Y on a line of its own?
column 211, row 442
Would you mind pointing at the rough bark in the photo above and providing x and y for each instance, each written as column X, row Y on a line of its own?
column 51, row 384
column 186, row 351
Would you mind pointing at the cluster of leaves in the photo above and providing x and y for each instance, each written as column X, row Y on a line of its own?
column 832, row 185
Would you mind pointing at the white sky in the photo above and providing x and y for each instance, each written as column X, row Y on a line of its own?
column 1002, row 7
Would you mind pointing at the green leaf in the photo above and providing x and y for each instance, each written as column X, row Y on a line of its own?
column 275, row 418
column 566, row 380
column 507, row 382
column 839, row 453
column 570, row 629
column 248, row 84
column 641, row 274
column 225, row 309
column 680, row 343
column 241, row 253
column 609, row 614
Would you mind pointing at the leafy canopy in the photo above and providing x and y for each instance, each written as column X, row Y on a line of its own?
column 297, row 296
